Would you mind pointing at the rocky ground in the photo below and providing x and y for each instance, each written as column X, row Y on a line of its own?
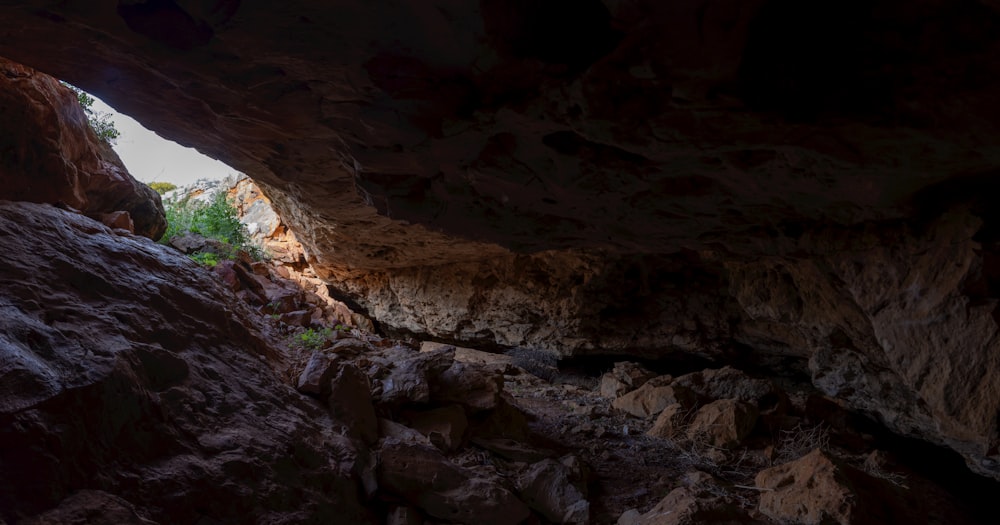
column 516, row 435
column 459, row 435
column 140, row 387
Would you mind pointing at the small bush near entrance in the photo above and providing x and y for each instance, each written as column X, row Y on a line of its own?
column 218, row 219
column 162, row 187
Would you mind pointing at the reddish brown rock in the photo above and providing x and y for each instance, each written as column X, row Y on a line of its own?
column 689, row 506
column 410, row 374
column 319, row 370
column 301, row 318
column 116, row 220
column 146, row 379
column 670, row 423
column 505, row 421
column 52, row 156
column 499, row 362
column 727, row 383
column 404, row 516
column 547, row 487
column 455, row 494
column 397, row 432
column 90, row 507
column 818, row 489
column 476, row 387
column 652, row 397
column 723, row 424
column 351, row 405
column 623, row 378
column 445, row 427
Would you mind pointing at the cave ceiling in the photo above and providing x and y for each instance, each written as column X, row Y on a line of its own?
column 398, row 134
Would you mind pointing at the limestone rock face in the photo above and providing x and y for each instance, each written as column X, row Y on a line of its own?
column 50, row 155
column 132, row 384
column 802, row 186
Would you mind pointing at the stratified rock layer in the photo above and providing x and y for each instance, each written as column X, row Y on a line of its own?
column 127, row 370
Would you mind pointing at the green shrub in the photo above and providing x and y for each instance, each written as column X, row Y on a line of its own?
column 217, row 220
column 206, row 258
column 162, row 187
column 313, row 339
column 99, row 120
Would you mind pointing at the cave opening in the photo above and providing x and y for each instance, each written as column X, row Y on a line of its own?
column 839, row 329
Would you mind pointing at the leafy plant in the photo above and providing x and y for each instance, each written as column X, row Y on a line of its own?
column 205, row 258
column 218, row 219
column 313, row 339
column 162, row 187
column 99, row 120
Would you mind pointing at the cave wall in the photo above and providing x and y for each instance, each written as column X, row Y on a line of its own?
column 128, row 370
column 49, row 154
column 798, row 183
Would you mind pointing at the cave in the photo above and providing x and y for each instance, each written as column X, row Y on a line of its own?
column 564, row 190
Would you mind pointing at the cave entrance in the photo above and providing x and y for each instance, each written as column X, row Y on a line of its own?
column 149, row 157
column 221, row 219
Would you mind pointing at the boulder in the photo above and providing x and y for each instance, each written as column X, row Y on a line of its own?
column 315, row 377
column 190, row 243
column 505, row 421
column 818, row 489
column 727, row 383
column 226, row 274
column 301, row 318
column 689, row 506
column 90, row 507
column 455, row 495
column 670, row 423
column 652, row 397
column 623, row 378
column 409, row 372
column 547, row 487
column 348, row 346
column 350, row 403
column 475, row 386
column 723, row 424
column 120, row 220
column 444, row 427
column 398, row 432
column 471, row 355
column 402, row 515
